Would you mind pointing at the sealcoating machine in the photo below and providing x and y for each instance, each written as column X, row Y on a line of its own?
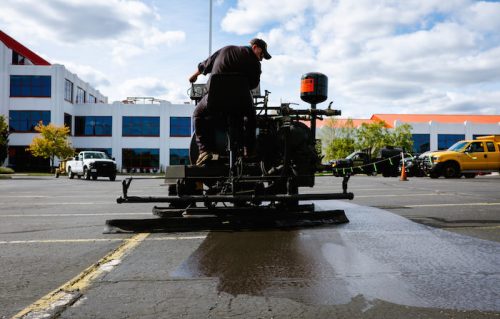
column 236, row 190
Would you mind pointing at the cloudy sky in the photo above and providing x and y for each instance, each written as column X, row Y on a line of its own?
column 381, row 56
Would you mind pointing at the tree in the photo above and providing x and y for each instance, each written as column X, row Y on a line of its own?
column 401, row 136
column 339, row 138
column 373, row 136
column 4, row 139
column 52, row 141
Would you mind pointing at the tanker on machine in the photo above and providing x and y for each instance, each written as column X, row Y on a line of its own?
column 233, row 191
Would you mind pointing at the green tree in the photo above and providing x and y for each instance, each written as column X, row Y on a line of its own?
column 401, row 137
column 4, row 139
column 372, row 136
column 53, row 141
column 338, row 137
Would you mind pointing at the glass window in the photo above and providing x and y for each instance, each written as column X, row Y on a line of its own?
column 140, row 126
column 68, row 121
column 22, row 160
column 490, row 146
column 92, row 99
column 26, row 121
column 179, row 156
column 30, row 86
column 447, row 140
column 68, row 91
column 93, row 125
column 140, row 158
column 475, row 147
column 421, row 143
column 180, row 126
column 80, row 95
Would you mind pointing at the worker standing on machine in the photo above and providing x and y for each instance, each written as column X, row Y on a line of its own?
column 230, row 59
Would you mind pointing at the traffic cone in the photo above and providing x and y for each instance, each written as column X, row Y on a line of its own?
column 403, row 173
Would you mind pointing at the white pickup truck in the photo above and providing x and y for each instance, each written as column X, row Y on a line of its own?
column 92, row 164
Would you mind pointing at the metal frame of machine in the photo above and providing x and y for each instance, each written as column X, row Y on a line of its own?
column 235, row 192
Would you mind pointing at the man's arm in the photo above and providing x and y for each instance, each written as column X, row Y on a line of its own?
column 204, row 67
column 194, row 77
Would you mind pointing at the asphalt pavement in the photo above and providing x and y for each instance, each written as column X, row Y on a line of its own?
column 422, row 249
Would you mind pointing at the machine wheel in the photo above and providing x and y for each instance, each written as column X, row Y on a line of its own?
column 112, row 178
column 86, row 173
column 451, row 170
column 94, row 177
column 469, row 175
column 70, row 173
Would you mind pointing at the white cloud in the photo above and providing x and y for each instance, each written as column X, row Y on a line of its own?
column 384, row 56
column 153, row 87
column 124, row 27
column 87, row 73
column 251, row 15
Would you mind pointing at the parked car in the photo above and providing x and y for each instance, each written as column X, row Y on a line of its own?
column 92, row 164
column 361, row 162
column 465, row 158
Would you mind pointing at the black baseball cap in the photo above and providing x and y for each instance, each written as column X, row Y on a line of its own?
column 263, row 45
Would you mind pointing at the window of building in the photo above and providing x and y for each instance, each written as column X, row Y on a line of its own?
column 19, row 59
column 30, row 86
column 421, row 143
column 140, row 159
column 92, row 99
column 26, row 121
column 80, row 95
column 68, row 91
column 68, row 121
column 22, row 160
column 140, row 126
column 180, row 126
column 447, row 140
column 179, row 156
column 93, row 125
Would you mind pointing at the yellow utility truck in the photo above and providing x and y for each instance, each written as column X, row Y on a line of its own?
column 465, row 158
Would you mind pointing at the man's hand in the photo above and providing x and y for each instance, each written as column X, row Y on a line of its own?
column 194, row 77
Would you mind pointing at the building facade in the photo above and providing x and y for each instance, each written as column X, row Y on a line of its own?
column 141, row 137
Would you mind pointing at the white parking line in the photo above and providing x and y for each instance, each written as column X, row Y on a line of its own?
column 73, row 215
column 399, row 195
column 453, row 204
column 92, row 240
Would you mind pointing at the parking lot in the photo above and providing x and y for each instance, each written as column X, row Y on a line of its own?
column 422, row 248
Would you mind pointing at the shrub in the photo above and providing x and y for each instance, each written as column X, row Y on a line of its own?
column 6, row 170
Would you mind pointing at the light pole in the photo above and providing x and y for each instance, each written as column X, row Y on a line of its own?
column 210, row 32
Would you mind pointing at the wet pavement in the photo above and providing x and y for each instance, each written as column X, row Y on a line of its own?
column 379, row 265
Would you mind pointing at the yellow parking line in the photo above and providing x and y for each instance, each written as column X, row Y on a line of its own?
column 66, row 293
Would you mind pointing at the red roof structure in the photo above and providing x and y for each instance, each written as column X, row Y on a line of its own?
column 417, row 118
column 22, row 50
column 441, row 118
